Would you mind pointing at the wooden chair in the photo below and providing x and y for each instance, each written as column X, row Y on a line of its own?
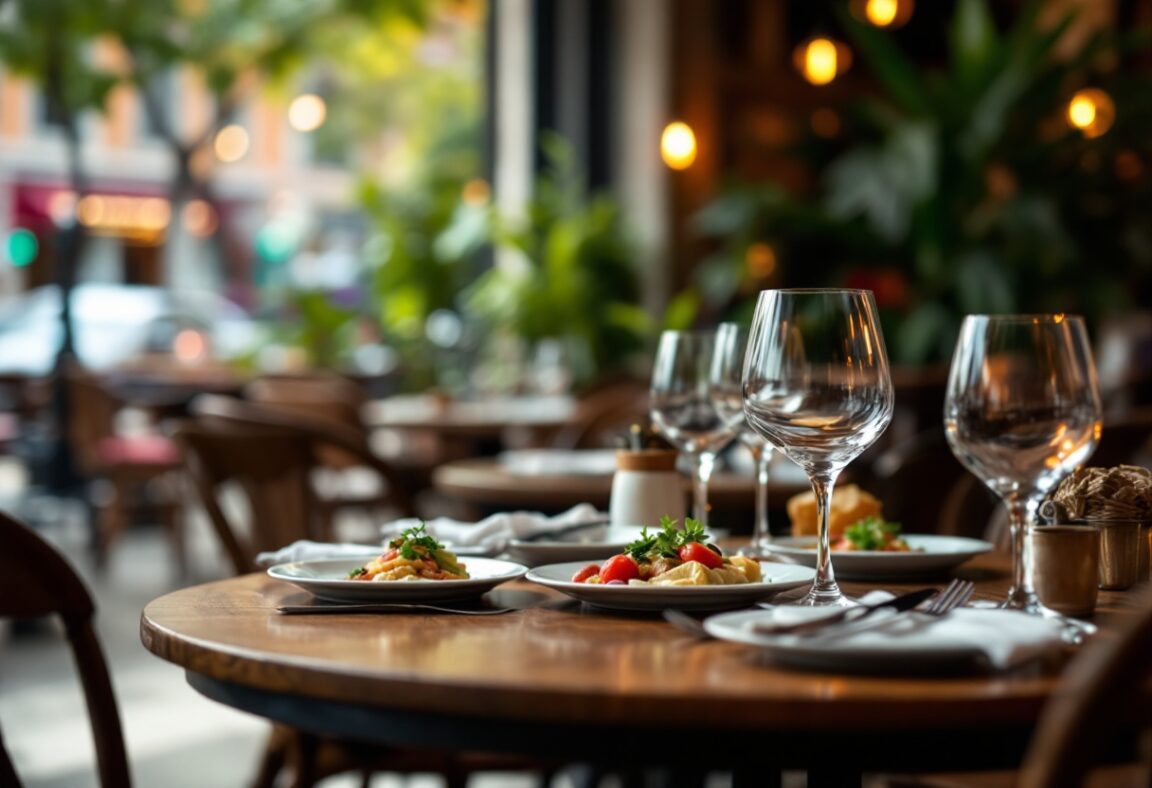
column 127, row 464
column 35, row 581
column 1073, row 745
column 270, row 455
column 1102, row 695
column 342, row 480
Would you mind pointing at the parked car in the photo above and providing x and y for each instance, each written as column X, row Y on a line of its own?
column 115, row 323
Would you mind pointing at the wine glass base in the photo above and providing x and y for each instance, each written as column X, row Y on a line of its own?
column 1075, row 630
column 827, row 595
column 760, row 549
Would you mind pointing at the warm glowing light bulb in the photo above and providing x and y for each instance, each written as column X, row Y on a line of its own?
column 881, row 12
column 307, row 112
column 231, row 143
column 678, row 145
column 820, row 60
column 1081, row 112
column 1091, row 111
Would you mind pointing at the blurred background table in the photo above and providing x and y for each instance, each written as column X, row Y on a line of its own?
column 491, row 484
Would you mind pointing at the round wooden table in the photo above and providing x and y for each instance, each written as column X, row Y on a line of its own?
column 556, row 677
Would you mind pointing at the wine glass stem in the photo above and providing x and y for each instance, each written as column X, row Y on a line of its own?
column 705, row 460
column 824, row 586
column 761, row 535
column 1021, row 595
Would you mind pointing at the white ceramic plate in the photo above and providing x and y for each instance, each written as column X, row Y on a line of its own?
column 588, row 544
column 777, row 577
column 328, row 579
column 933, row 555
column 903, row 643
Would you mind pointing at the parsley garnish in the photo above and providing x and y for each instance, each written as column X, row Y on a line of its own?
column 668, row 541
column 871, row 533
column 416, row 536
column 355, row 573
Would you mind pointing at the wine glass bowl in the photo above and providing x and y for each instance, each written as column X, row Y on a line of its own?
column 817, row 386
column 1022, row 409
column 682, row 410
column 728, row 399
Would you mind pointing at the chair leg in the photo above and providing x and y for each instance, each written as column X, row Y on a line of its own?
column 275, row 757
column 112, row 521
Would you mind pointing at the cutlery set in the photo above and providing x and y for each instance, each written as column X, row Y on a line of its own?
column 849, row 620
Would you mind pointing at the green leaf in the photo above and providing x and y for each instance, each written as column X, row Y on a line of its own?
column 974, row 41
column 897, row 74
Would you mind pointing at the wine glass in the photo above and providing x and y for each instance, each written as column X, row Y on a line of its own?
column 727, row 398
column 681, row 409
column 817, row 387
column 1022, row 409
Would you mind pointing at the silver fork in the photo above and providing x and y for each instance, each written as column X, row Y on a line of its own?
column 955, row 594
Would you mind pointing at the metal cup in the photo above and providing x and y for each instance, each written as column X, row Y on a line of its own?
column 1065, row 562
column 1123, row 553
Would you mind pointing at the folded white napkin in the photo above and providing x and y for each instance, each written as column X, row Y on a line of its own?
column 495, row 532
column 1002, row 638
column 305, row 550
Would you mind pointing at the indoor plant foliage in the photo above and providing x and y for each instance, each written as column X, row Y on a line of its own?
column 964, row 189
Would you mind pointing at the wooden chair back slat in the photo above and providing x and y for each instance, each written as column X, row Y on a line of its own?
column 36, row 580
column 1103, row 694
column 269, row 466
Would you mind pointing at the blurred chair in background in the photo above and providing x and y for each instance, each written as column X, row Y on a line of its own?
column 35, row 581
column 343, row 480
column 124, row 466
column 604, row 415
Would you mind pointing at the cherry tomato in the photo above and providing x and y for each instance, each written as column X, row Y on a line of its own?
column 585, row 573
column 619, row 567
column 695, row 551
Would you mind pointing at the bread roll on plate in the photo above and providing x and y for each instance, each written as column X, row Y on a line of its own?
column 850, row 504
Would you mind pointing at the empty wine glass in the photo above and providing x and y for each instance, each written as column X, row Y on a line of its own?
column 682, row 410
column 817, row 387
column 1022, row 409
column 727, row 397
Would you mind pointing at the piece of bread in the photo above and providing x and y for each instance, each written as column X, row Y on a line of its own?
column 850, row 504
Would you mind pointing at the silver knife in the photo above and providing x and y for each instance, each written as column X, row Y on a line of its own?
column 388, row 607
column 896, row 604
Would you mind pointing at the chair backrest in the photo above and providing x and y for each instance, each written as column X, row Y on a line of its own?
column 322, row 398
column 1105, row 690
column 604, row 414
column 35, row 581
column 269, row 455
column 914, row 477
column 92, row 409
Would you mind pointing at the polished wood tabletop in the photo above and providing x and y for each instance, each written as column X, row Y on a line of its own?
column 561, row 677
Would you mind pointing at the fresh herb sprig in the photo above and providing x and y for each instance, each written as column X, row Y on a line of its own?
column 410, row 539
column 871, row 533
column 668, row 541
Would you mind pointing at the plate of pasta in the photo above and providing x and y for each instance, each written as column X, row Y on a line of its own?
column 413, row 567
column 329, row 579
column 774, row 578
column 673, row 567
